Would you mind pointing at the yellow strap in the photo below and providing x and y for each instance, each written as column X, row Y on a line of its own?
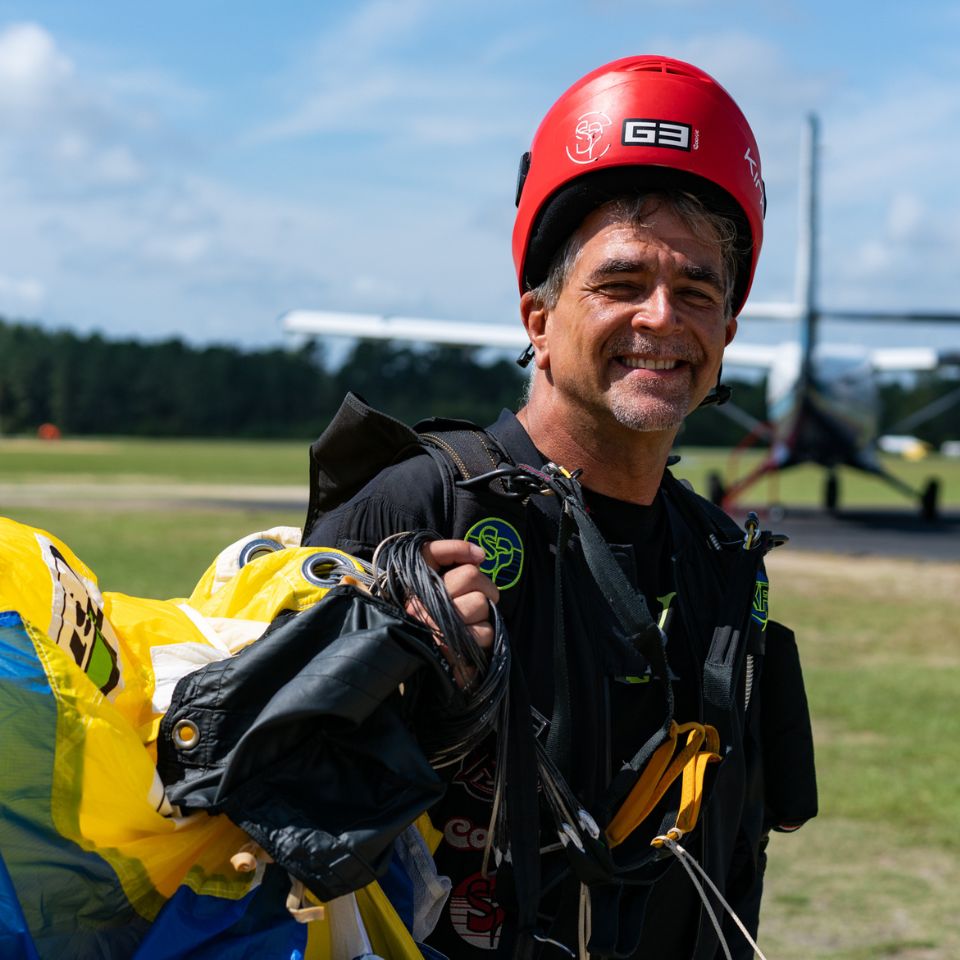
column 661, row 771
column 691, row 792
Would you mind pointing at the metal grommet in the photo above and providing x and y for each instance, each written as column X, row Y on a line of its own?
column 259, row 547
column 324, row 569
column 186, row 735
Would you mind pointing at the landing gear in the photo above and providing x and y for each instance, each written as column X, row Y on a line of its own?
column 715, row 489
column 928, row 500
column 831, row 493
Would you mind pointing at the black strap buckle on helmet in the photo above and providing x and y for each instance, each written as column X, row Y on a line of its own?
column 719, row 395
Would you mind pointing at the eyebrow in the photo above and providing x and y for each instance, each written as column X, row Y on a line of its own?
column 695, row 272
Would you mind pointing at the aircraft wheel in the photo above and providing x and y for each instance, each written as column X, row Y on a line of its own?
column 715, row 489
column 831, row 493
column 928, row 500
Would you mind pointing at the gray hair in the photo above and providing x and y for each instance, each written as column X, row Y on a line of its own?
column 706, row 225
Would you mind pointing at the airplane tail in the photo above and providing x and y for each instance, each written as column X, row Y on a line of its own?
column 806, row 248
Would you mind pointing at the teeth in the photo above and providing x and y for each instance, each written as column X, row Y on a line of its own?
column 638, row 363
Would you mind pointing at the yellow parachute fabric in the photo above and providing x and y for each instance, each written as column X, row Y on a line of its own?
column 112, row 662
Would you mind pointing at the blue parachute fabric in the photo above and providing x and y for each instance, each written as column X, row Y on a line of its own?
column 75, row 883
column 397, row 884
column 15, row 940
column 192, row 927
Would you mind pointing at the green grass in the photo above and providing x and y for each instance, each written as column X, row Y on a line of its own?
column 112, row 460
column 147, row 553
column 803, row 486
column 876, row 875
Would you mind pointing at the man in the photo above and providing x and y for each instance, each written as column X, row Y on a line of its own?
column 640, row 213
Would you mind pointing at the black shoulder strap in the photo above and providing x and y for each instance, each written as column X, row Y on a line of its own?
column 357, row 444
column 725, row 657
column 464, row 452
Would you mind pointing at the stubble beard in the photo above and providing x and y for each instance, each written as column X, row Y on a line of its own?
column 646, row 412
column 650, row 408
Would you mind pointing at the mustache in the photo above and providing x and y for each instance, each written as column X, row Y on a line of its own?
column 655, row 348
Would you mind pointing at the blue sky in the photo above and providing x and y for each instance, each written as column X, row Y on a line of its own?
column 195, row 169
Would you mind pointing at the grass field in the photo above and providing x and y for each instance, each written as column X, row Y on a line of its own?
column 877, row 875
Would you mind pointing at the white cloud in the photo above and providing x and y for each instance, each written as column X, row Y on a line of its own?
column 119, row 199
column 361, row 77
column 30, row 63
column 20, row 294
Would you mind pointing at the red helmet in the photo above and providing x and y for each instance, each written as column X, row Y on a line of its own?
column 668, row 118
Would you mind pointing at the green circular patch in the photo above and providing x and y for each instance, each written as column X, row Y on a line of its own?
column 503, row 547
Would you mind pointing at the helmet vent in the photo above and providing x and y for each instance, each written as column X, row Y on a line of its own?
column 661, row 67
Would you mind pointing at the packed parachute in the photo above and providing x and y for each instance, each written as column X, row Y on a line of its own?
column 100, row 692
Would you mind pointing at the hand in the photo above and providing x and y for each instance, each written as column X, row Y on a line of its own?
column 471, row 591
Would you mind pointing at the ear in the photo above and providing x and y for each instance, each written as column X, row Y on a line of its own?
column 534, row 317
column 731, row 331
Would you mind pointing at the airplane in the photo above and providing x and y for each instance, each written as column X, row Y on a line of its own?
column 823, row 400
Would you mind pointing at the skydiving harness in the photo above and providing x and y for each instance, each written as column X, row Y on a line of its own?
column 673, row 752
column 472, row 460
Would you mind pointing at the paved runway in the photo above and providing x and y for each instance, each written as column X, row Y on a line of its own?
column 867, row 532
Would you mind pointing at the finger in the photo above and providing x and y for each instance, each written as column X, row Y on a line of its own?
column 474, row 608
column 483, row 633
column 415, row 608
column 449, row 553
column 467, row 578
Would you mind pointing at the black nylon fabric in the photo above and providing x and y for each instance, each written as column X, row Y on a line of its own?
column 791, row 793
column 411, row 495
column 305, row 742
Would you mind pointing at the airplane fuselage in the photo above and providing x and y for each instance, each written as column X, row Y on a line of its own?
column 827, row 414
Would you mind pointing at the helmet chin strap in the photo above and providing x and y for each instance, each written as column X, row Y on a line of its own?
column 720, row 394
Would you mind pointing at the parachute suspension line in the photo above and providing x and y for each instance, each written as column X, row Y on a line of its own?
column 400, row 575
column 403, row 576
column 584, row 923
column 693, row 868
column 497, row 828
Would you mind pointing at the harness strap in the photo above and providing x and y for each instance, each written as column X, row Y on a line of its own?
column 664, row 767
column 630, row 608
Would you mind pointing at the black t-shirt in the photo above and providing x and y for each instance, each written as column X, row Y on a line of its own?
column 644, row 530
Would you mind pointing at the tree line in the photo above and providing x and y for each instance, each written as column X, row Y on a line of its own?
column 93, row 385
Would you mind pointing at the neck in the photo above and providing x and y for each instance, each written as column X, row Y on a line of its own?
column 616, row 461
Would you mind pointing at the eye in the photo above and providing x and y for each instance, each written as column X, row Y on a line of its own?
column 701, row 296
column 620, row 289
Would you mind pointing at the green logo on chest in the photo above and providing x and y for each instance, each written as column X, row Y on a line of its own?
column 503, row 547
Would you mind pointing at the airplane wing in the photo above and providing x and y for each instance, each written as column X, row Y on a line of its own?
column 770, row 311
column 377, row 327
column 912, row 359
column 754, row 356
column 873, row 316
column 510, row 336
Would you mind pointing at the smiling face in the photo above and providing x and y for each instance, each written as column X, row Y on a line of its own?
column 636, row 335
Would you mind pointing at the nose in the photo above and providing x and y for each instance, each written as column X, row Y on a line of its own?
column 657, row 313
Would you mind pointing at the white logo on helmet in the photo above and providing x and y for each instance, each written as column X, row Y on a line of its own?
column 755, row 177
column 588, row 135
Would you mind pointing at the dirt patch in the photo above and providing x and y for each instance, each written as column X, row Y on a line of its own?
column 881, row 577
column 60, row 447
